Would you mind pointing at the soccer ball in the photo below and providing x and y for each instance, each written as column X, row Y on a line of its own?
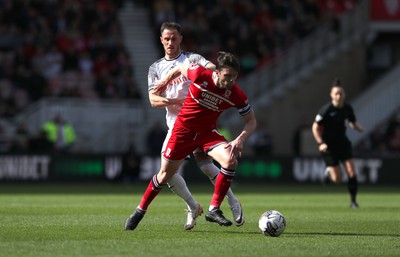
column 272, row 223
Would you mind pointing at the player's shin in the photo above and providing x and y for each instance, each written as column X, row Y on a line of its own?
column 151, row 192
column 178, row 185
column 222, row 185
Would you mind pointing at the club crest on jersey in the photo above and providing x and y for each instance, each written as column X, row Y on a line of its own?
column 227, row 93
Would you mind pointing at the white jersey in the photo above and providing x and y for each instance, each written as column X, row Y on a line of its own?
column 179, row 87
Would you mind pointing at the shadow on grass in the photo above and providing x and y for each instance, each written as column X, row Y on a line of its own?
column 340, row 234
column 297, row 234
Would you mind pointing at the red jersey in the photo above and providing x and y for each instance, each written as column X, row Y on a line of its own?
column 195, row 126
column 205, row 101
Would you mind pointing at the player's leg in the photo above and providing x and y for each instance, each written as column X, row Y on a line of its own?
column 178, row 185
column 222, row 183
column 207, row 166
column 346, row 156
column 168, row 169
column 335, row 174
column 352, row 183
column 333, row 170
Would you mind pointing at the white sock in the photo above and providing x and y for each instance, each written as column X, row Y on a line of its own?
column 212, row 172
column 211, row 208
column 178, row 185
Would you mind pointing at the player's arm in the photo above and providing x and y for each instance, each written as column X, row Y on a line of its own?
column 155, row 97
column 250, row 126
column 162, row 84
column 158, row 101
column 316, row 131
column 210, row 66
column 355, row 125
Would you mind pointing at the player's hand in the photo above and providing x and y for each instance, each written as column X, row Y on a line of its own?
column 159, row 86
column 323, row 147
column 236, row 149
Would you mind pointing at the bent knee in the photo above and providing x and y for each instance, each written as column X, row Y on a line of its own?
column 230, row 164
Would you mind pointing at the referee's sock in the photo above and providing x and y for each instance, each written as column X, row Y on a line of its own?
column 352, row 186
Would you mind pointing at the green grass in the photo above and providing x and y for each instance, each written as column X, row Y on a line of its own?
column 87, row 220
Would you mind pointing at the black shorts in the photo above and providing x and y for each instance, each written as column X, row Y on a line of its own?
column 338, row 152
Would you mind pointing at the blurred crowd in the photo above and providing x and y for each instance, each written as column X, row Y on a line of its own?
column 75, row 48
column 62, row 48
column 384, row 139
column 257, row 31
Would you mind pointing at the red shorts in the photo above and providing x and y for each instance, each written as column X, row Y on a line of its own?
column 184, row 141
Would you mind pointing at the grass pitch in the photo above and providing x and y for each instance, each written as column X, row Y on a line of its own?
column 87, row 220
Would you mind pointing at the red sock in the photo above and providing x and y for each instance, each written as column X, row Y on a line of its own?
column 222, row 185
column 151, row 192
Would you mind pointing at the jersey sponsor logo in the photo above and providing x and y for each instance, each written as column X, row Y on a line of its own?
column 332, row 114
column 227, row 93
column 178, row 80
column 210, row 98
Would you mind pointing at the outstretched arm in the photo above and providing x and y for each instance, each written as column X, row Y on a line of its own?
column 356, row 126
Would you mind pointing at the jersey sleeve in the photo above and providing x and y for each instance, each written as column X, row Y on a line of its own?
column 152, row 77
column 351, row 116
column 242, row 101
column 196, row 58
column 319, row 118
column 194, row 71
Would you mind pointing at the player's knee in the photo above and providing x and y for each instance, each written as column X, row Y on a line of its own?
column 337, row 179
column 163, row 177
column 231, row 164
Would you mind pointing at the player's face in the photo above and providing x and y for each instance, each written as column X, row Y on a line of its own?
column 338, row 96
column 226, row 77
column 171, row 41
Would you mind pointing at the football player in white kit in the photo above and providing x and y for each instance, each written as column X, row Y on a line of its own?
column 172, row 99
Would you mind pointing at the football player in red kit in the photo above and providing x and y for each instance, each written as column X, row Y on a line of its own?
column 210, row 93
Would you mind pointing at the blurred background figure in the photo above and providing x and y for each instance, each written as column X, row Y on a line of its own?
column 60, row 133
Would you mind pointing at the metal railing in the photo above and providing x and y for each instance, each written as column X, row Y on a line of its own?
column 102, row 126
column 377, row 104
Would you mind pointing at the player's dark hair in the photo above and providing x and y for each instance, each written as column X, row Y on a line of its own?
column 171, row 26
column 336, row 83
column 227, row 59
